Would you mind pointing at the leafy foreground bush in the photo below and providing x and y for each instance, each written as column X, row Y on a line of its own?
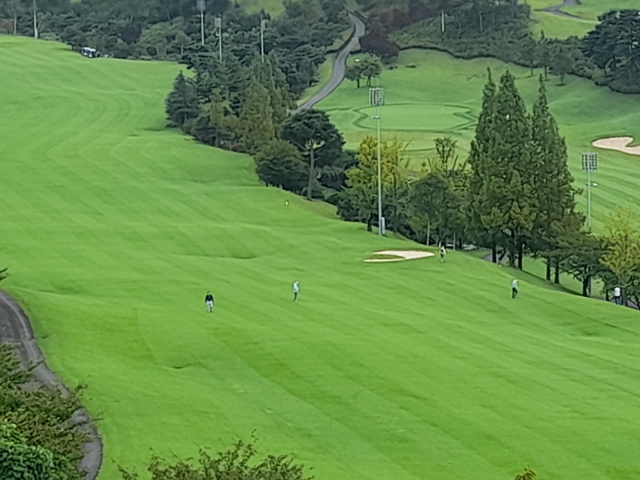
column 236, row 463
column 39, row 439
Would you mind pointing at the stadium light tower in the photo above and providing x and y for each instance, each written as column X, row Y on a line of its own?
column 263, row 26
column 376, row 99
column 35, row 19
column 202, row 5
column 218, row 25
column 589, row 164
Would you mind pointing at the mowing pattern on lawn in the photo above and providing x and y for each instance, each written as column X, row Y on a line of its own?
column 431, row 94
column 114, row 228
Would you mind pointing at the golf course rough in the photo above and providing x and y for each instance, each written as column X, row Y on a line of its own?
column 115, row 227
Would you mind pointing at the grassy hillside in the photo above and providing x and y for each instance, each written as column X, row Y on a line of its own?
column 432, row 94
column 114, row 228
column 586, row 16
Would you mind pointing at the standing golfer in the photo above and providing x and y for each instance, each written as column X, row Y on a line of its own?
column 208, row 301
column 617, row 296
column 514, row 288
column 443, row 253
column 296, row 290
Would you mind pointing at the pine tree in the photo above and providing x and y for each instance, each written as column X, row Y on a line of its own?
column 511, row 176
column 480, row 159
column 220, row 122
column 182, row 104
column 557, row 217
column 272, row 78
column 256, row 119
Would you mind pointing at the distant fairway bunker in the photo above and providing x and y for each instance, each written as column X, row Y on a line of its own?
column 398, row 256
column 620, row 144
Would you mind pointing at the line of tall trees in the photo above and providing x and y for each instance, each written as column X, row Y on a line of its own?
column 513, row 195
column 246, row 109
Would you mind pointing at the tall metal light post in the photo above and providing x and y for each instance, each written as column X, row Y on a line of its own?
column 263, row 26
column 589, row 165
column 35, row 19
column 376, row 99
column 202, row 5
column 218, row 25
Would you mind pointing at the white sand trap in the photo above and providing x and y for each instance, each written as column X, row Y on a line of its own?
column 402, row 254
column 620, row 144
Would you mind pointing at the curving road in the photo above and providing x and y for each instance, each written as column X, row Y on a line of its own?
column 15, row 327
column 557, row 9
column 339, row 66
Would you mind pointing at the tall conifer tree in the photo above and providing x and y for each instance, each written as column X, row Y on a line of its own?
column 557, row 217
column 256, row 119
column 480, row 158
column 509, row 184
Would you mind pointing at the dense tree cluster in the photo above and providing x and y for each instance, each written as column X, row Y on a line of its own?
column 170, row 29
column 614, row 46
column 39, row 439
column 245, row 109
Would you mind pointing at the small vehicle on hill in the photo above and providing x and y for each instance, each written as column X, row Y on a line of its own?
column 89, row 52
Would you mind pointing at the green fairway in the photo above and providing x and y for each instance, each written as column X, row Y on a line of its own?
column 432, row 94
column 114, row 228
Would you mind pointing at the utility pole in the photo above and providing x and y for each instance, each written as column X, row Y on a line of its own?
column 35, row 19
column 263, row 26
column 218, row 25
column 589, row 164
column 442, row 21
column 202, row 5
column 376, row 99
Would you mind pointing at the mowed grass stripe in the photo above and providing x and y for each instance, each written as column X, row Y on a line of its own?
column 114, row 228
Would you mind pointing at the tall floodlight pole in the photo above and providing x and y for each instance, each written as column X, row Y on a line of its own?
column 202, row 5
column 263, row 26
column 376, row 99
column 589, row 165
column 218, row 26
column 442, row 21
column 35, row 19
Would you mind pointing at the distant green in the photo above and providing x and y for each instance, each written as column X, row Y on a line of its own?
column 114, row 228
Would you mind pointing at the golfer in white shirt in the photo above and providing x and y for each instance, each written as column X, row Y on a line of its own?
column 296, row 290
column 617, row 296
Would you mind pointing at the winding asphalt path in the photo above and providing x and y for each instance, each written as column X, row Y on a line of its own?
column 15, row 327
column 339, row 66
column 557, row 9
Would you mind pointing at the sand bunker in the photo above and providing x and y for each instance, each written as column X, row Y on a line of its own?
column 402, row 254
column 620, row 144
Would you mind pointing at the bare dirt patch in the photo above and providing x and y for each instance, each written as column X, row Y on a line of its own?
column 620, row 144
column 399, row 255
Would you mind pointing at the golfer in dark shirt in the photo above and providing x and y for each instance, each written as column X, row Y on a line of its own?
column 208, row 301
